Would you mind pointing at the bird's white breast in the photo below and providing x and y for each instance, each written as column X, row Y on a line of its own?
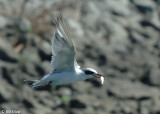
column 66, row 77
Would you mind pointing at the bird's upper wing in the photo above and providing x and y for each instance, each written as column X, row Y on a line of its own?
column 63, row 50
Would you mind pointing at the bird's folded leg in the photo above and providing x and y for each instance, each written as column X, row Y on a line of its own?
column 45, row 86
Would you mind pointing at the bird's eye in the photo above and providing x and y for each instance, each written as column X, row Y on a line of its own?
column 89, row 72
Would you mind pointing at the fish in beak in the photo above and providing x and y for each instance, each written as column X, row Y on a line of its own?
column 99, row 76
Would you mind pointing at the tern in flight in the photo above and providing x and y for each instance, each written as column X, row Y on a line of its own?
column 64, row 67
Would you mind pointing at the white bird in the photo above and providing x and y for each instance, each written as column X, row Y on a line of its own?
column 64, row 67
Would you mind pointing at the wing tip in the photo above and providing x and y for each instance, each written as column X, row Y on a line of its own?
column 61, row 27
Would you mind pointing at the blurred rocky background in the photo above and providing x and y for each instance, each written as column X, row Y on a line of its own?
column 120, row 38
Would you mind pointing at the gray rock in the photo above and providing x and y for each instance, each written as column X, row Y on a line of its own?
column 30, row 54
column 65, row 92
column 74, row 103
column 6, row 91
column 144, row 7
column 25, row 25
column 155, row 106
column 46, row 66
column 145, row 105
column 45, row 50
column 7, row 52
column 128, row 106
column 154, row 77
column 118, row 8
column 3, row 22
column 130, row 90
column 76, row 28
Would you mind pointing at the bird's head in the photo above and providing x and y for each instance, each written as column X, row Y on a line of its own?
column 89, row 73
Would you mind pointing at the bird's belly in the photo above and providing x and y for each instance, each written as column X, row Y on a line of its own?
column 64, row 78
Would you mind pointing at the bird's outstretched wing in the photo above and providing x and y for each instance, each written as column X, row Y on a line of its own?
column 63, row 50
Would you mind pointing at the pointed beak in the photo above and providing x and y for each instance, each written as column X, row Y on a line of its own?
column 97, row 75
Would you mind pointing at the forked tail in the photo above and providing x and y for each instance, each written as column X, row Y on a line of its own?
column 39, row 84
